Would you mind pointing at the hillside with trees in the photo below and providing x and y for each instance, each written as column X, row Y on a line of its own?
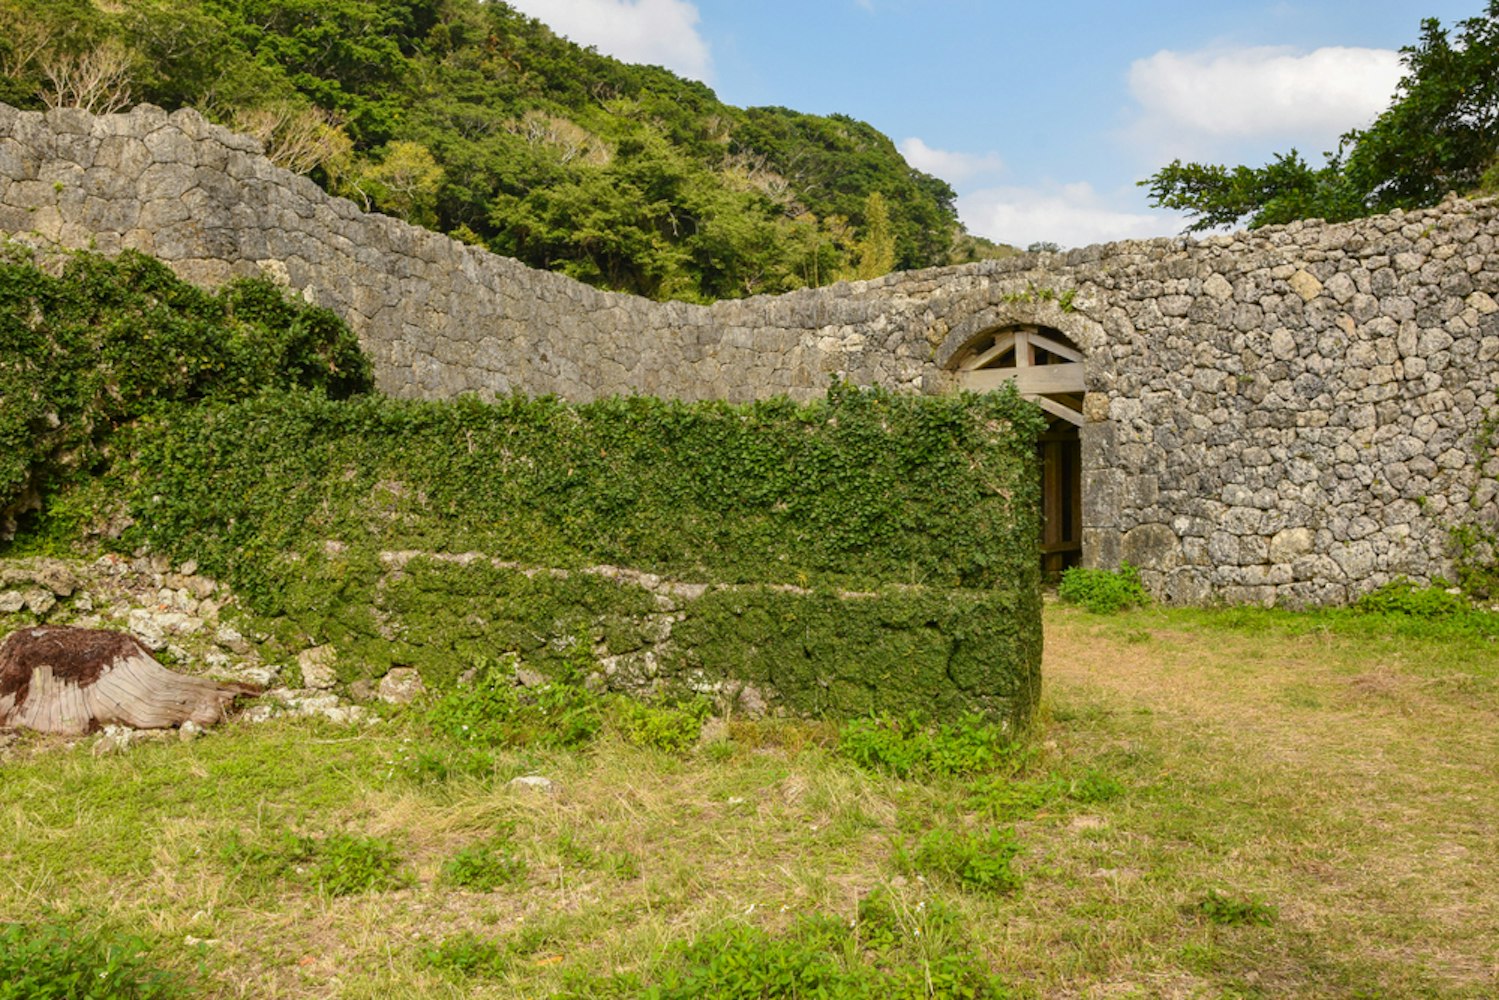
column 1440, row 134
column 470, row 118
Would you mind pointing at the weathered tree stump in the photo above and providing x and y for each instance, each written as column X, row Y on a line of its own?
column 73, row 681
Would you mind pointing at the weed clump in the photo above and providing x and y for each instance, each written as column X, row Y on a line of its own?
column 485, row 866
column 907, row 748
column 980, row 862
column 1103, row 591
column 467, row 955
column 58, row 960
column 493, row 711
column 674, row 729
column 340, row 864
column 1403, row 597
column 894, row 950
column 1227, row 911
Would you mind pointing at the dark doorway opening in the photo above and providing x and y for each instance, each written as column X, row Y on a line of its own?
column 1061, row 449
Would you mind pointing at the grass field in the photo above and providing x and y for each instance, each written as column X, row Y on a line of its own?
column 1214, row 804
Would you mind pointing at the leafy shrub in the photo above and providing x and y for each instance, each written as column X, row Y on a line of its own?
column 484, row 866
column 1403, row 597
column 977, row 861
column 59, row 960
column 493, row 711
column 1230, row 912
column 109, row 340
column 908, row 748
column 467, row 955
column 1103, row 591
column 674, row 729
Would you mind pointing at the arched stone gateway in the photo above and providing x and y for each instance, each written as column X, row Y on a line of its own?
column 1046, row 368
column 1294, row 415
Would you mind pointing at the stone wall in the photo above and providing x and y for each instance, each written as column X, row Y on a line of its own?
column 1290, row 415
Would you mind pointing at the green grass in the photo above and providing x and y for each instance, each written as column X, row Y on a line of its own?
column 1213, row 804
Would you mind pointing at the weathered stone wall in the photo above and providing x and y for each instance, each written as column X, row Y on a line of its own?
column 1290, row 415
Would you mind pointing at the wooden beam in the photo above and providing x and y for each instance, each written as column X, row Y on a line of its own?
column 1025, row 355
column 1056, row 347
column 1002, row 343
column 1041, row 380
column 1056, row 409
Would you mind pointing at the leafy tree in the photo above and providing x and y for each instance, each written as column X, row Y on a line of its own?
column 1440, row 134
column 473, row 119
column 404, row 182
column 877, row 247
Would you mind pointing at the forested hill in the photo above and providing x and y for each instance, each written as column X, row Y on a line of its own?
column 471, row 118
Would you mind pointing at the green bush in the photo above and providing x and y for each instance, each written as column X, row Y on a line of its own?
column 821, row 516
column 1103, row 591
column 108, row 340
column 977, row 861
column 57, row 959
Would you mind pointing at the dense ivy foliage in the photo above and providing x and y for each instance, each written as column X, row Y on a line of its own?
column 103, row 341
column 819, row 518
column 863, row 488
column 471, row 118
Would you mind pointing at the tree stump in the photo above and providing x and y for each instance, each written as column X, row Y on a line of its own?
column 73, row 681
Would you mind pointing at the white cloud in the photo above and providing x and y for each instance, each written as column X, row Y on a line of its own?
column 1193, row 103
column 1071, row 215
column 658, row 32
column 951, row 167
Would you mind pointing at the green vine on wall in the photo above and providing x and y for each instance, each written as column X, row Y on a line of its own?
column 1033, row 295
column 1475, row 544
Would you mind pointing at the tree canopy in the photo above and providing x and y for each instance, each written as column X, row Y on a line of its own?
column 473, row 119
column 1440, row 134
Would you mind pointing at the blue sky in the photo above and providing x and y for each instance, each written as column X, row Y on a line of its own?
column 1042, row 115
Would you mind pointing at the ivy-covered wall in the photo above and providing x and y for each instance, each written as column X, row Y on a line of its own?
column 869, row 551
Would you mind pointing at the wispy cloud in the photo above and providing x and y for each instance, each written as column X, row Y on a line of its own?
column 1071, row 215
column 950, row 166
column 658, row 32
column 1193, row 104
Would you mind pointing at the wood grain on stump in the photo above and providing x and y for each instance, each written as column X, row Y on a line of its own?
column 73, row 681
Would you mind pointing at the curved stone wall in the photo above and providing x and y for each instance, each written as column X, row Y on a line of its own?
column 1290, row 415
